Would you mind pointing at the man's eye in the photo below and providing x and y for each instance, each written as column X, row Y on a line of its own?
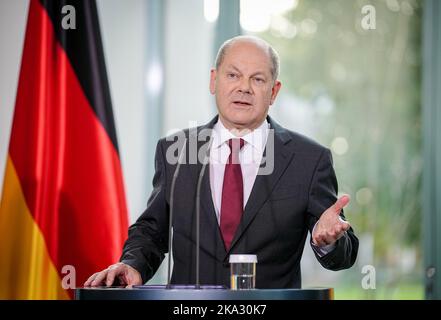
column 259, row 80
column 232, row 75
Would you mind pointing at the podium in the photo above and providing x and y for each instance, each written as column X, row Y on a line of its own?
column 204, row 293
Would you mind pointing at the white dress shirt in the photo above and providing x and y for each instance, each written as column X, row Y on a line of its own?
column 250, row 157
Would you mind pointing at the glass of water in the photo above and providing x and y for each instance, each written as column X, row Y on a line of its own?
column 243, row 271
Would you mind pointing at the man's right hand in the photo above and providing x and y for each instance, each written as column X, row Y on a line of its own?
column 125, row 274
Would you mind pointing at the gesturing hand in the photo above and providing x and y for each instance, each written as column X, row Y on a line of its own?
column 330, row 226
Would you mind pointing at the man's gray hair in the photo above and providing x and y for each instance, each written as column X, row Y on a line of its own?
column 274, row 56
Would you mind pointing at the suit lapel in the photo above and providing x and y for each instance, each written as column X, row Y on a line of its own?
column 265, row 183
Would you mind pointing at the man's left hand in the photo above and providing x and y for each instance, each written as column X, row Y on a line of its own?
column 330, row 226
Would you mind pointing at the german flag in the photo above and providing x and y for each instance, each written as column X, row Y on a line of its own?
column 63, row 213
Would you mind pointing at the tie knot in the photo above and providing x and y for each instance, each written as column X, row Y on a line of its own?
column 235, row 145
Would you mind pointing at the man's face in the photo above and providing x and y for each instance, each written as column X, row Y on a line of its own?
column 244, row 86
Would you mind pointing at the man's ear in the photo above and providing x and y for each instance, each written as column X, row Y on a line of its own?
column 275, row 90
column 213, row 81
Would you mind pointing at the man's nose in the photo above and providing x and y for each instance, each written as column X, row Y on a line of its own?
column 244, row 86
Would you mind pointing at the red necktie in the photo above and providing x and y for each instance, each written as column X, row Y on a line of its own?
column 232, row 194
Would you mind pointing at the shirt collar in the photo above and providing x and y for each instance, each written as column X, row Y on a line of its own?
column 256, row 138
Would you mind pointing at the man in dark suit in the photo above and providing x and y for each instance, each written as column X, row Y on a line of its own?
column 265, row 187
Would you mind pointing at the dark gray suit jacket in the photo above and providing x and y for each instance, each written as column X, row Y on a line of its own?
column 281, row 209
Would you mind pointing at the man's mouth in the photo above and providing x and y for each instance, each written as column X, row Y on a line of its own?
column 242, row 103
